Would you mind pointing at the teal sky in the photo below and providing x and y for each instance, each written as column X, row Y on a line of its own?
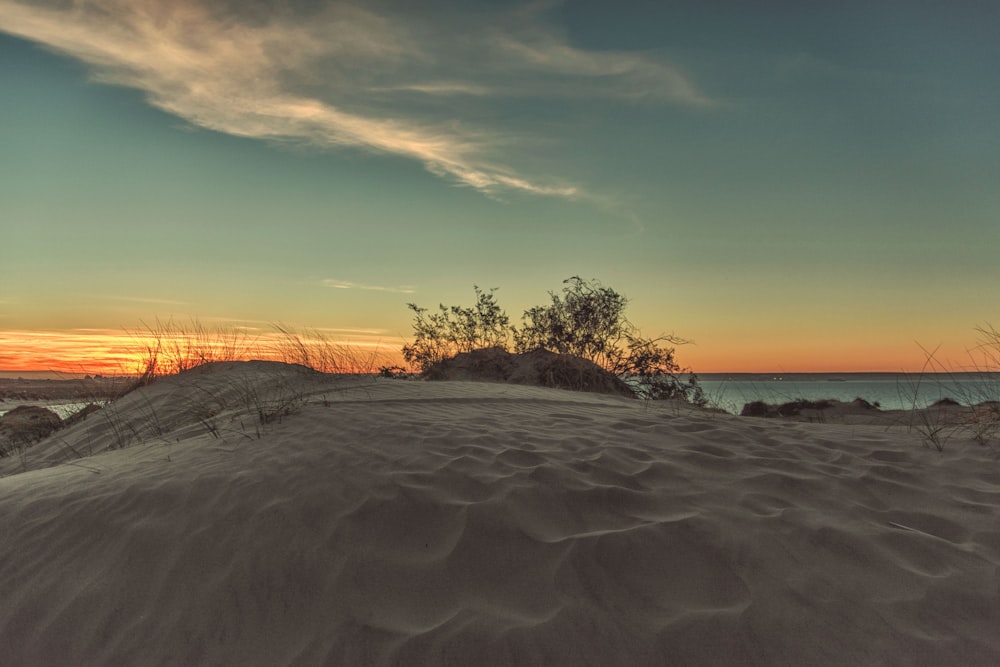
column 794, row 186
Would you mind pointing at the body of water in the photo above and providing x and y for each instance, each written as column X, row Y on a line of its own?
column 892, row 391
column 64, row 410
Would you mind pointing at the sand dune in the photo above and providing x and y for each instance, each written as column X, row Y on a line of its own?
column 260, row 514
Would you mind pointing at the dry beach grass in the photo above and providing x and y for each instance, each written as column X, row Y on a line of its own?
column 262, row 513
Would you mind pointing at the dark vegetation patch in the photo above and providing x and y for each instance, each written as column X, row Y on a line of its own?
column 25, row 425
column 537, row 368
column 557, row 344
column 789, row 409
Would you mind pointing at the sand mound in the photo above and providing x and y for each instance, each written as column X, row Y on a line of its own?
column 539, row 368
column 419, row 523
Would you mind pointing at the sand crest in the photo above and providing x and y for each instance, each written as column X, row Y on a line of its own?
column 261, row 514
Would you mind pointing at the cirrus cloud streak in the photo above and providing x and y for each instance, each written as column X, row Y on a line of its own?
column 344, row 76
column 344, row 284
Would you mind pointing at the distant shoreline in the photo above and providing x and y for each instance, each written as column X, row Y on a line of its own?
column 42, row 375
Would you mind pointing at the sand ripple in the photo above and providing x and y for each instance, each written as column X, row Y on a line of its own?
column 459, row 523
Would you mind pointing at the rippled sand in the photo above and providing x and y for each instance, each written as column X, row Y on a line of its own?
column 262, row 515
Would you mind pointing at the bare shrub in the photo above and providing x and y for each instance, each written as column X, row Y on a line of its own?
column 586, row 320
column 454, row 329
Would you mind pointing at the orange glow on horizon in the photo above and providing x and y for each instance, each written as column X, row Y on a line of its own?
column 802, row 357
column 107, row 352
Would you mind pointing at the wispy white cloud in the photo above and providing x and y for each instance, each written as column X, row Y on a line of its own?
column 560, row 69
column 344, row 284
column 342, row 75
column 447, row 88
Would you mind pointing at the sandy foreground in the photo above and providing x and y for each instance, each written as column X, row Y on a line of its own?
column 257, row 514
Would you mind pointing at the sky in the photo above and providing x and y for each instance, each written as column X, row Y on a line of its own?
column 792, row 186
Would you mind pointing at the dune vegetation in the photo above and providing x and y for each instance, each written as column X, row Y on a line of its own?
column 586, row 320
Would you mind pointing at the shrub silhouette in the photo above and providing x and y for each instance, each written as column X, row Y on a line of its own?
column 586, row 320
column 454, row 330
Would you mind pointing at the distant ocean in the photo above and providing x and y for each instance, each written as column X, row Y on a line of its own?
column 892, row 391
